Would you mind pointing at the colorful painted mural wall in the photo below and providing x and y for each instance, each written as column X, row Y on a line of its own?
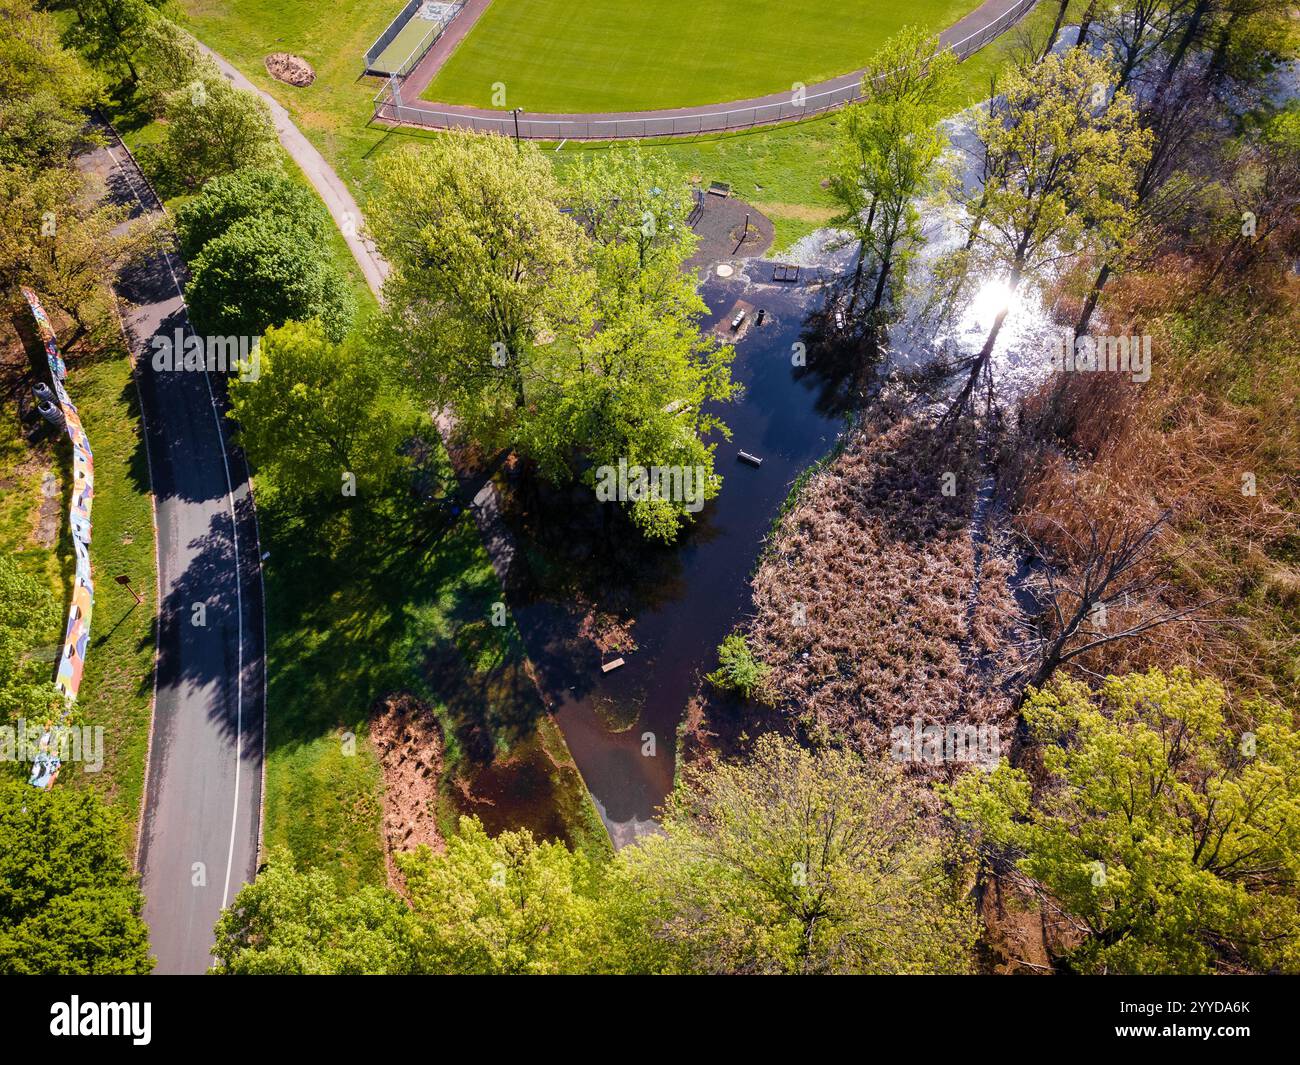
column 76, row 639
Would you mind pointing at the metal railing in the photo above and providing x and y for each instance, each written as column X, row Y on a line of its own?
column 388, row 106
column 436, row 30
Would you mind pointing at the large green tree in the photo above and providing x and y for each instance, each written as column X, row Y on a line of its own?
column 111, row 32
column 557, row 321
column 482, row 270
column 318, row 417
column 1164, row 821
column 247, row 193
column 504, row 905
column 69, row 902
column 263, row 272
column 292, row 922
column 640, row 383
column 44, row 89
column 213, row 128
column 795, row 862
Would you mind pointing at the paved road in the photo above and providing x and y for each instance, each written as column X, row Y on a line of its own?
column 199, row 835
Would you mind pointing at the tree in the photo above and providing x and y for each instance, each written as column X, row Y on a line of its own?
column 213, row 128
column 1165, row 825
column 170, row 60
column 798, row 863
column 69, row 903
column 887, row 148
column 111, row 32
column 575, row 342
column 635, row 380
column 317, row 412
column 299, row 923
column 1069, row 154
column 246, row 193
column 1264, row 186
column 738, row 670
column 1163, row 185
column 509, row 905
column 1113, row 565
column 1137, row 31
column 261, row 273
column 44, row 90
column 482, row 262
column 69, row 248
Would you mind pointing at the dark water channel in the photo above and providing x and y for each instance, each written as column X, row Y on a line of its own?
column 685, row 598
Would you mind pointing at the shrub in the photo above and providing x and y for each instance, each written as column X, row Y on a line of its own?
column 739, row 671
column 258, row 274
column 247, row 193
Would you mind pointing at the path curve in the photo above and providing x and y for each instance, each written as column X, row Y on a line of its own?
column 335, row 195
column 964, row 37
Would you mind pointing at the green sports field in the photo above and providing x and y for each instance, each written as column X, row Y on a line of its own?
column 633, row 55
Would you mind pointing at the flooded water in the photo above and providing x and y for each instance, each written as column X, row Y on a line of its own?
column 622, row 726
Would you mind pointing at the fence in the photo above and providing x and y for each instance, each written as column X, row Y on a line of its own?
column 388, row 106
column 397, row 27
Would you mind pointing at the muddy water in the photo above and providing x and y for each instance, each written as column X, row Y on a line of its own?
column 621, row 726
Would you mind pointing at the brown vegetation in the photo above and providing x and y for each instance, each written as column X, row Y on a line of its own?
column 1214, row 438
column 867, row 605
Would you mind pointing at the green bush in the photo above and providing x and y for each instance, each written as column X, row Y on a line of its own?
column 261, row 273
column 739, row 671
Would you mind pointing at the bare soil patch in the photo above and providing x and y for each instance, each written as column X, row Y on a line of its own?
column 289, row 68
column 408, row 741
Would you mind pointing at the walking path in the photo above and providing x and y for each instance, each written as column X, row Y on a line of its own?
column 964, row 37
column 347, row 216
column 342, row 207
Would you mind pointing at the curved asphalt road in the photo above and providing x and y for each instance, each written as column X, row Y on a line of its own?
column 200, row 827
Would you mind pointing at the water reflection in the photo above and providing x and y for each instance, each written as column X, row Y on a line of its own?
column 587, row 563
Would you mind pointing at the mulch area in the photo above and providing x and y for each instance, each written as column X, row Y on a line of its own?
column 721, row 225
column 291, row 69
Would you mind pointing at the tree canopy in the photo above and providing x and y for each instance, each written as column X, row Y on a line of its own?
column 259, row 273
column 555, row 320
column 317, row 412
column 69, row 902
column 1166, row 823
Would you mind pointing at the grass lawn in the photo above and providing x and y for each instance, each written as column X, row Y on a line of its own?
column 117, row 688
column 779, row 169
column 367, row 602
column 611, row 55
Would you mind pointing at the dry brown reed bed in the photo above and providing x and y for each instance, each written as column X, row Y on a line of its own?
column 863, row 600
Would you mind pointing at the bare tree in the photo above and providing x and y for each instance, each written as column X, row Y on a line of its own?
column 1114, row 563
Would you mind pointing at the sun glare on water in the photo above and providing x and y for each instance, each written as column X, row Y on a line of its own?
column 990, row 301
